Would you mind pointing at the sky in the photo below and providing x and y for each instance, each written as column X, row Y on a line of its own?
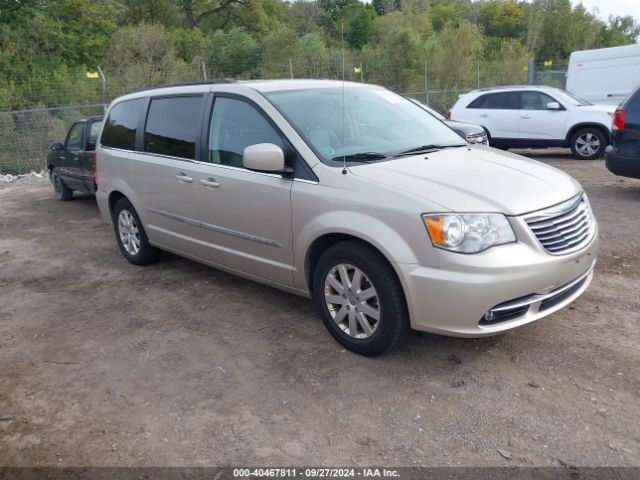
column 612, row 7
column 606, row 7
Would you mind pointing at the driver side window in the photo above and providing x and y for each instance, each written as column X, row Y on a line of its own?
column 235, row 125
column 535, row 101
column 74, row 139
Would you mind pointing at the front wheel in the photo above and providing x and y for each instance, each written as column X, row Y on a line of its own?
column 359, row 298
column 63, row 193
column 130, row 235
column 588, row 144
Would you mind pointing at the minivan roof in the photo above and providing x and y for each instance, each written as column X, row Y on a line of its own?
column 258, row 85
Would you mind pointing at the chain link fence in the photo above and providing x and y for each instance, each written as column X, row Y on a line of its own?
column 26, row 134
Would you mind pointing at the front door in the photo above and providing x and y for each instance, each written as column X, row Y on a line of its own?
column 537, row 122
column 245, row 215
column 71, row 164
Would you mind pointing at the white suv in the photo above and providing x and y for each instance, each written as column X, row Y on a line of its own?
column 534, row 116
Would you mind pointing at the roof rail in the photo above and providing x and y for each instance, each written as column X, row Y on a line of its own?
column 186, row 84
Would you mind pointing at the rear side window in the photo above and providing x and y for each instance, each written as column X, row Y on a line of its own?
column 498, row 101
column 173, row 125
column 479, row 102
column 120, row 128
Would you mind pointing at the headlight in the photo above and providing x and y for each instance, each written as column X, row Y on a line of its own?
column 468, row 233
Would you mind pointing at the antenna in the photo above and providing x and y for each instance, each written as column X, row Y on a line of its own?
column 344, row 158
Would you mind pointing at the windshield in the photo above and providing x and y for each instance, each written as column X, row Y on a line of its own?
column 433, row 112
column 570, row 98
column 374, row 125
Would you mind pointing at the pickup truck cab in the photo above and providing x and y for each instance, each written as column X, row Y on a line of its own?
column 71, row 165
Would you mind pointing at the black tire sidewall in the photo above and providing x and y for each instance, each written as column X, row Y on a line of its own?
column 393, row 317
column 601, row 137
column 64, row 192
column 147, row 253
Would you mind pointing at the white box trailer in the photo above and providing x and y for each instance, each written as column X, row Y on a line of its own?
column 605, row 75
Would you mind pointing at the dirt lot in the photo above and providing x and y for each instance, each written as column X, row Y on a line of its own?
column 105, row 363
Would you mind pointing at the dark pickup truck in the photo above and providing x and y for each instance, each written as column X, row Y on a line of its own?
column 71, row 166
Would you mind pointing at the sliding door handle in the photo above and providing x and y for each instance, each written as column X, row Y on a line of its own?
column 184, row 178
column 209, row 182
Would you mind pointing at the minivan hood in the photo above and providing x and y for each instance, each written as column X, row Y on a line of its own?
column 474, row 179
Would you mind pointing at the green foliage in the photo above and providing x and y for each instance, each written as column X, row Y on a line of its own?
column 46, row 47
column 233, row 54
column 359, row 24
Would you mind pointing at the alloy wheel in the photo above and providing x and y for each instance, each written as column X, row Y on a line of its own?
column 587, row 144
column 352, row 301
column 128, row 232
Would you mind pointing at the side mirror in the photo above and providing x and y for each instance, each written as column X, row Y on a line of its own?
column 91, row 144
column 553, row 106
column 57, row 146
column 263, row 157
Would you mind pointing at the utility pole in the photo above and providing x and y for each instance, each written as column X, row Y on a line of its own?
column 104, row 88
column 426, row 83
column 204, row 69
column 531, row 72
column 290, row 68
column 478, row 74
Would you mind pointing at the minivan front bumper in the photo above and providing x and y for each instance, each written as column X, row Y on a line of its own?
column 496, row 290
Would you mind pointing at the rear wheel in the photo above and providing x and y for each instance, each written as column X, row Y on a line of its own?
column 63, row 193
column 359, row 298
column 588, row 143
column 130, row 235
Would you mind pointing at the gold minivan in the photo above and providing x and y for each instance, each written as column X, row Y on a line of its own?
column 349, row 194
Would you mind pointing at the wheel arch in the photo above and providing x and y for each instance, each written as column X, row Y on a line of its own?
column 579, row 126
column 325, row 241
column 114, row 196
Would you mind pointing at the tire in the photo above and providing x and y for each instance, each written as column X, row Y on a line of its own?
column 62, row 192
column 355, row 312
column 588, row 143
column 130, row 235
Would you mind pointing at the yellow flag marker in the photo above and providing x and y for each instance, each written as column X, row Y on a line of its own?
column 92, row 75
column 548, row 63
column 357, row 70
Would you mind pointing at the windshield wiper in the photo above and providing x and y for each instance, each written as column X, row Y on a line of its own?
column 433, row 147
column 361, row 157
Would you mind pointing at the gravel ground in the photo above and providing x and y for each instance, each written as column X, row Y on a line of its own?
column 105, row 363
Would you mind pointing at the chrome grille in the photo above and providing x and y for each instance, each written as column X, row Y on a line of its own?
column 474, row 138
column 565, row 228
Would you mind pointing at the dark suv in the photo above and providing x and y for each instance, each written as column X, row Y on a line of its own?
column 623, row 155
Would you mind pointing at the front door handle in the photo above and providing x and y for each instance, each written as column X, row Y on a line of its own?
column 184, row 178
column 483, row 115
column 525, row 117
column 209, row 182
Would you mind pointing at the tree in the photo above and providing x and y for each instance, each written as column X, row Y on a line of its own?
column 382, row 7
column 233, row 54
column 143, row 56
column 359, row 24
column 195, row 11
column 152, row 11
column 313, row 57
column 620, row 31
column 502, row 18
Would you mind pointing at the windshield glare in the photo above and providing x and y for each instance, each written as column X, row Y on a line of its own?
column 373, row 120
